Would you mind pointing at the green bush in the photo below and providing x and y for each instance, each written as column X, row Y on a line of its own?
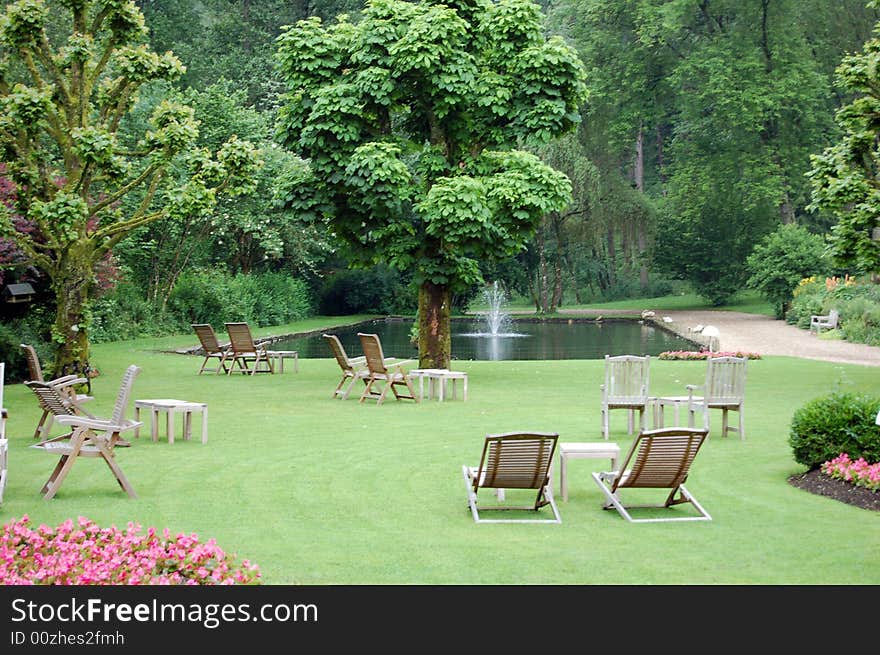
column 378, row 290
column 212, row 296
column 834, row 424
column 24, row 330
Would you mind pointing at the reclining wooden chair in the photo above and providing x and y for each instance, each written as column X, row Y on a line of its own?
column 514, row 460
column 244, row 351
column 89, row 436
column 386, row 372
column 352, row 368
column 66, row 386
column 211, row 348
column 658, row 459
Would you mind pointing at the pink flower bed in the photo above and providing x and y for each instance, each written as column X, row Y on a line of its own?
column 86, row 554
column 858, row 472
column 705, row 354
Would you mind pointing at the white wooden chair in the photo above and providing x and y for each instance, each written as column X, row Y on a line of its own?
column 89, row 436
column 828, row 321
column 626, row 387
column 724, row 389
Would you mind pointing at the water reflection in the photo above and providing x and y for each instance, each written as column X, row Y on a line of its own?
column 527, row 340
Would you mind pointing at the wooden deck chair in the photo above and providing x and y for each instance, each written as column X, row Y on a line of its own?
column 211, row 348
column 658, row 459
column 724, row 389
column 626, row 387
column 66, row 386
column 385, row 372
column 514, row 460
column 89, row 437
column 250, row 356
column 352, row 368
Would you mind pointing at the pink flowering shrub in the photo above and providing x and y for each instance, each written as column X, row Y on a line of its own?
column 86, row 554
column 858, row 472
column 705, row 354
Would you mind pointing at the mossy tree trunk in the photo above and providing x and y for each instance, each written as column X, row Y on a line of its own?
column 72, row 284
column 435, row 330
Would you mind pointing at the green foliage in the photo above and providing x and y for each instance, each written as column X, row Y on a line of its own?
column 364, row 99
column 845, row 175
column 781, row 260
column 377, row 290
column 837, row 423
column 66, row 91
column 858, row 306
column 211, row 296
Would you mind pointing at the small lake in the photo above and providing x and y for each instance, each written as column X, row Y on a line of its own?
column 523, row 339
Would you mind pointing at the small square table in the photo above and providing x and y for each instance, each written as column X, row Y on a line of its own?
column 660, row 403
column 437, row 378
column 584, row 449
column 171, row 406
column 280, row 355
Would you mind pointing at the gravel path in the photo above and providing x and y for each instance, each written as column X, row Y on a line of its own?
column 761, row 334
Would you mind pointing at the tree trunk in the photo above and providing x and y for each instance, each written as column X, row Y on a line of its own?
column 71, row 282
column 435, row 330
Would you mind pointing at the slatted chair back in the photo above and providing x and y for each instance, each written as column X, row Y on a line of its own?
column 207, row 337
column 516, row 461
column 240, row 337
column 124, row 395
column 626, row 380
column 33, row 362
column 50, row 398
column 373, row 353
column 725, row 380
column 336, row 347
column 660, row 459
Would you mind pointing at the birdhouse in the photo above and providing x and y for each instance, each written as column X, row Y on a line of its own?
column 15, row 293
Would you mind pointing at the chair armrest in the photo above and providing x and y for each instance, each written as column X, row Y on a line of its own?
column 97, row 423
column 66, row 381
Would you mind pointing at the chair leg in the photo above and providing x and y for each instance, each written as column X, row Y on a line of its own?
column 630, row 420
column 64, row 465
column 605, row 422
column 742, row 424
column 110, row 460
column 724, row 423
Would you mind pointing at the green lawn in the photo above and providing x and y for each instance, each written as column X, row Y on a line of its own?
column 317, row 490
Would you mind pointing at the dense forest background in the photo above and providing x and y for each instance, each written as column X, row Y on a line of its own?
column 694, row 146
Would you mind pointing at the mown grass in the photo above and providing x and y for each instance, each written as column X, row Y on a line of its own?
column 316, row 490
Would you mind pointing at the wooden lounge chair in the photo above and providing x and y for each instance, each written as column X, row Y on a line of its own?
column 352, row 368
column 211, row 348
column 89, row 436
column 250, row 356
column 724, row 389
column 386, row 372
column 658, row 459
column 66, row 386
column 626, row 387
column 514, row 460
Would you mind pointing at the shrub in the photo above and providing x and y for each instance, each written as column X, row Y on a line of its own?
column 834, row 424
column 781, row 260
column 86, row 554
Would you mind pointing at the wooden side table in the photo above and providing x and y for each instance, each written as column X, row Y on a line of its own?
column 676, row 402
column 281, row 355
column 171, row 406
column 437, row 378
column 580, row 450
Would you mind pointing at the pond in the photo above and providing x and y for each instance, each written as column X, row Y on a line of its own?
column 522, row 339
